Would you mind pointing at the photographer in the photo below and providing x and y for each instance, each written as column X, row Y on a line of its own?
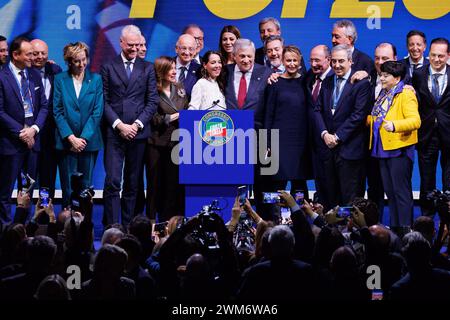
column 304, row 238
column 43, row 221
column 206, row 234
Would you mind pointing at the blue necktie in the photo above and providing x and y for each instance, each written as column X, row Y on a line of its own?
column 128, row 68
column 182, row 76
column 26, row 93
column 337, row 91
column 435, row 89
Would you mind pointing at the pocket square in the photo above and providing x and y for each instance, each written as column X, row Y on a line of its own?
column 36, row 88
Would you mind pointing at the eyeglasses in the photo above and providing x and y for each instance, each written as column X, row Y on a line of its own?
column 190, row 49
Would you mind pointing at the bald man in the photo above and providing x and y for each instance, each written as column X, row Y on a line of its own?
column 47, row 158
column 187, row 67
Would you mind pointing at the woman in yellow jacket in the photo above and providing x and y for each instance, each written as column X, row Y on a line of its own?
column 394, row 122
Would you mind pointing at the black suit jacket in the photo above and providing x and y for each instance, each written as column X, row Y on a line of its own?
column 362, row 61
column 255, row 93
column 48, row 132
column 129, row 99
column 348, row 121
column 409, row 76
column 432, row 113
column 259, row 56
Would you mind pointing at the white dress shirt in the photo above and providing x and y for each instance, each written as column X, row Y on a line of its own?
column 137, row 121
column 46, row 83
column 77, row 85
column 179, row 65
column 16, row 72
column 206, row 95
column 322, row 77
column 237, row 79
column 442, row 79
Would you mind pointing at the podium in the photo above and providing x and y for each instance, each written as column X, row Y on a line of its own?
column 217, row 153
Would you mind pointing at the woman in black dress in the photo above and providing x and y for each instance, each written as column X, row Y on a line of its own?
column 286, row 110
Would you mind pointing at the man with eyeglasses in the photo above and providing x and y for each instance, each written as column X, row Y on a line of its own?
column 187, row 68
column 131, row 99
column 198, row 34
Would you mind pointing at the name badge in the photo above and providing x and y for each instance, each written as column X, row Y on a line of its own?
column 28, row 109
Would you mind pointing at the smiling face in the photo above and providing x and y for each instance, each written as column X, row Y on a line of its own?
column 318, row 60
column 186, row 48
column 416, row 47
column 338, row 36
column 268, row 29
column 340, row 62
column 171, row 75
column 142, row 48
column 291, row 62
column 23, row 57
column 79, row 63
column 214, row 66
column 40, row 53
column 274, row 51
column 227, row 41
column 130, row 44
column 245, row 58
column 383, row 54
column 438, row 56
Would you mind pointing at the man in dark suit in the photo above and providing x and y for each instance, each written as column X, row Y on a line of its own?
column 48, row 157
column 3, row 51
column 416, row 42
column 385, row 51
column 187, row 68
column 267, row 27
column 131, row 99
column 432, row 85
column 245, row 91
column 339, row 121
column 319, row 59
column 246, row 81
column 23, row 111
column 199, row 36
column 344, row 32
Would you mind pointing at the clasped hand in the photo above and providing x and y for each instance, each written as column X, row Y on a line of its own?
column 330, row 140
column 128, row 131
column 27, row 136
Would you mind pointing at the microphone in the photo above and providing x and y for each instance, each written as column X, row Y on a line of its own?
column 216, row 104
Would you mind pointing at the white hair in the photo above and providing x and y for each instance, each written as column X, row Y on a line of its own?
column 130, row 29
column 343, row 47
column 111, row 235
column 349, row 29
column 243, row 44
column 281, row 241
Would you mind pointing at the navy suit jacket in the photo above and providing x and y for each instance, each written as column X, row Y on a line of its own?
column 430, row 110
column 348, row 121
column 362, row 61
column 129, row 99
column 12, row 114
column 191, row 78
column 255, row 93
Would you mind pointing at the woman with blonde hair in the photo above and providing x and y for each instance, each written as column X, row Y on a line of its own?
column 78, row 110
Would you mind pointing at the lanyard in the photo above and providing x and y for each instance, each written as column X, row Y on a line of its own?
column 336, row 99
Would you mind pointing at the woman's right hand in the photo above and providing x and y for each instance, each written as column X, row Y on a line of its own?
column 174, row 117
column 78, row 144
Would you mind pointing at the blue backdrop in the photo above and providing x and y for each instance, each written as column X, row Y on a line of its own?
column 304, row 23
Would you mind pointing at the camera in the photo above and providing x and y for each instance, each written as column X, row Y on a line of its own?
column 80, row 196
column 205, row 233
column 27, row 182
column 242, row 194
column 271, row 197
column 437, row 200
column 344, row 212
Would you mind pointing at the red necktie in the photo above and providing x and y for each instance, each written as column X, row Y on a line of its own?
column 316, row 90
column 242, row 91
